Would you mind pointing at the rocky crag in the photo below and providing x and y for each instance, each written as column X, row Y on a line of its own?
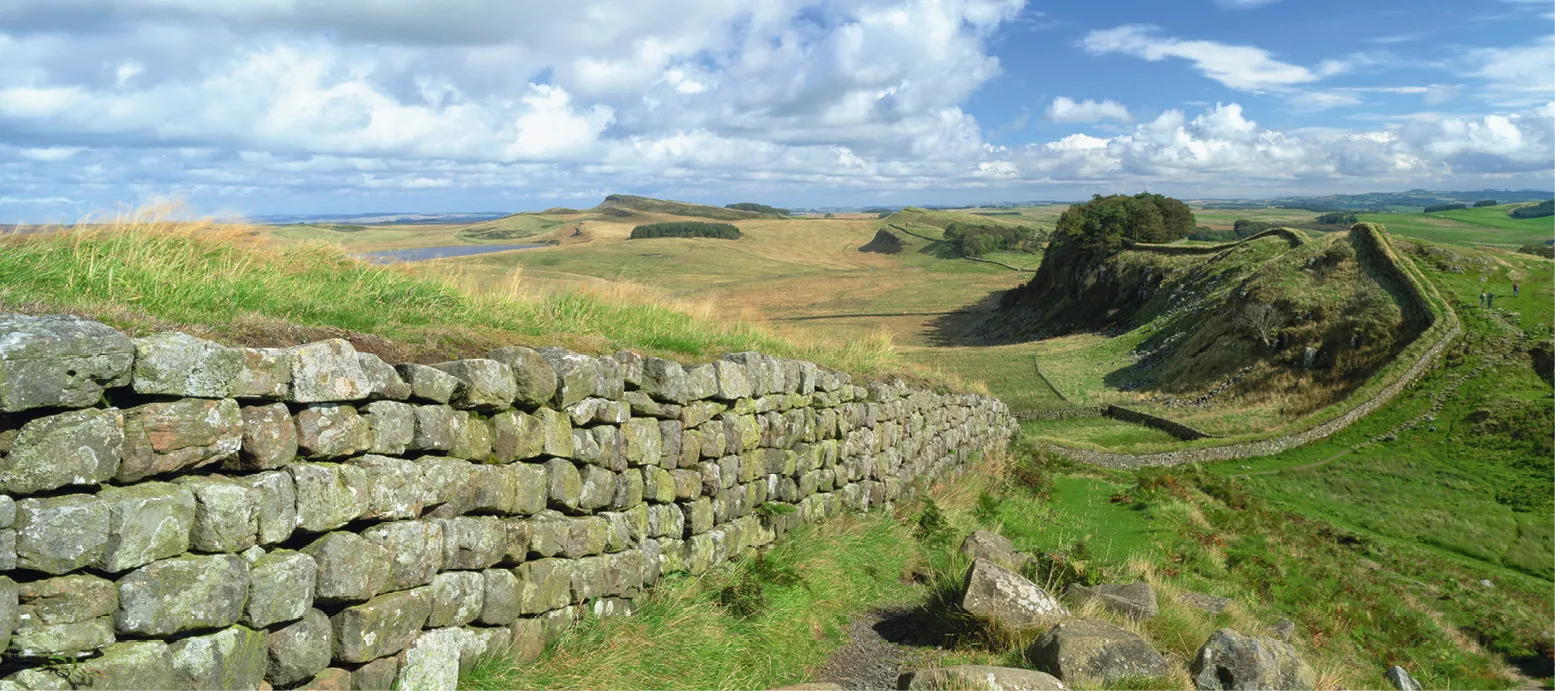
column 181, row 514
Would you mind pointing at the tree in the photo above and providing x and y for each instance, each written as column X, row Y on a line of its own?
column 1484, row 202
column 1261, row 320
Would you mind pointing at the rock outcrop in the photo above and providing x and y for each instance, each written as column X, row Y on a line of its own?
column 1230, row 661
column 1095, row 651
column 978, row 678
column 997, row 594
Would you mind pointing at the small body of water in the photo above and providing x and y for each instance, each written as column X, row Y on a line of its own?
column 421, row 254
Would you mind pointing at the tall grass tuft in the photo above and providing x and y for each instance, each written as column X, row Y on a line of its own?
column 151, row 270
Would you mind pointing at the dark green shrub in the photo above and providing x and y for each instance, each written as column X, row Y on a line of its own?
column 1540, row 210
column 1484, row 202
column 686, row 229
column 758, row 208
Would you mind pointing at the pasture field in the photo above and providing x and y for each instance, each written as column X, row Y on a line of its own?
column 1488, row 225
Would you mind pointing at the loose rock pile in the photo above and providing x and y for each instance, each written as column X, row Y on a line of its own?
column 181, row 514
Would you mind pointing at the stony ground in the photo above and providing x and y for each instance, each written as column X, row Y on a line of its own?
column 880, row 647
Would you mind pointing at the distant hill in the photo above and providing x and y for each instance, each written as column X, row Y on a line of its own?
column 629, row 202
column 381, row 218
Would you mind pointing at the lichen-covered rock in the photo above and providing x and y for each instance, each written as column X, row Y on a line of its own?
column 383, row 381
column 532, row 375
column 394, row 487
column 275, row 504
column 1095, row 651
column 1209, row 604
column 457, row 598
column 526, row 639
column 472, row 438
column 516, row 436
column 436, row 428
column 598, row 488
column 78, row 447
column 483, row 384
column 381, row 626
column 585, row 536
column 501, row 598
column 566, row 484
column 447, row 484
column 350, row 568
column 733, row 380
column 177, row 364
column 549, row 532
column 233, row 658
column 393, row 424
column 544, row 585
column 329, row 495
column 1229, row 660
column 269, row 438
column 174, row 435
column 8, row 606
column 414, row 548
column 994, row 592
column 1401, row 679
column 701, row 382
column 473, row 542
column 59, row 361
column 577, row 376
column 329, row 679
column 644, row 444
column 664, row 380
column 225, row 517
column 146, row 522
column 181, row 594
column 127, row 665
column 427, row 383
column 66, row 615
column 994, row 547
column 266, row 373
column 378, row 675
column 280, row 588
column 296, row 652
column 327, row 371
column 328, row 430
column 978, row 678
column 432, row 661
column 1136, row 600
column 60, row 534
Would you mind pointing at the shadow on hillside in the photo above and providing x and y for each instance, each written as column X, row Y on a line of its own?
column 968, row 326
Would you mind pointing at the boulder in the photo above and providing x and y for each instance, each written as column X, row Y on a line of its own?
column 381, row 626
column 1209, row 604
column 1135, row 600
column 60, row 534
column 457, row 598
column 393, row 424
column 577, row 376
column 1229, row 660
column 328, row 430
column 1401, row 679
column 427, row 383
column 177, row 364
column 297, row 652
column 1095, row 651
column 533, row 377
column 971, row 677
column 280, row 588
column 483, row 384
column 146, row 522
column 78, row 447
column 181, row 594
column 173, row 435
column 329, row 495
column 996, row 593
column 516, row 436
column 63, row 616
column 59, row 361
column 350, row 569
column 415, row 550
column 233, row 658
column 994, row 547
column 383, row 381
column 431, row 663
column 269, row 438
column 225, row 519
column 327, row 371
column 266, row 373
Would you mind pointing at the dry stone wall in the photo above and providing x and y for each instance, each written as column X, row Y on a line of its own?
column 181, row 514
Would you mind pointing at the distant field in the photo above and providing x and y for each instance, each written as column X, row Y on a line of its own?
column 1488, row 225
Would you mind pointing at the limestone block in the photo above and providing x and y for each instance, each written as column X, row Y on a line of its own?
column 327, row 371
column 414, row 549
column 183, row 593
column 60, row 534
column 329, row 495
column 265, row 373
column 233, row 658
column 457, row 598
column 59, row 361
column 533, row 377
column 381, row 626
column 280, row 588
column 188, row 433
column 393, row 424
column 269, row 438
column 382, row 379
column 78, row 447
column 177, row 364
column 483, row 384
column 332, row 430
column 350, row 568
column 146, row 522
column 298, row 651
column 225, row 516
column 427, row 383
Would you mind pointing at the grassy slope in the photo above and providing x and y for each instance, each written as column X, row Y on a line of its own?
column 228, row 282
column 1488, row 225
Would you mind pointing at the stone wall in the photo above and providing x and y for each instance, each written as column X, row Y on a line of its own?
column 181, row 514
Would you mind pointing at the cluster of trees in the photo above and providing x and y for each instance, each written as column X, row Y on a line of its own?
column 1089, row 233
column 1445, row 207
column 1337, row 218
column 686, row 229
column 1540, row 210
column 1484, row 202
column 976, row 240
column 758, row 208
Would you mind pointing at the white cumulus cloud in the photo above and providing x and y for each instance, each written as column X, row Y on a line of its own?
column 1065, row 109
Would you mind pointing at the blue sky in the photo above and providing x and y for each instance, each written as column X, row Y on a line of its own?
column 340, row 106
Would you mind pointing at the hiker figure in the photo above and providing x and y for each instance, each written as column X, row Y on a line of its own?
column 1490, row 299
column 1482, row 298
column 1514, row 289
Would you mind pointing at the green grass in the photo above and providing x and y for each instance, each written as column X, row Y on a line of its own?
column 681, row 637
column 223, row 283
column 1006, row 370
column 1488, row 225
column 1101, row 433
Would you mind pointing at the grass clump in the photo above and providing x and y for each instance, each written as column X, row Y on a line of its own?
column 226, row 281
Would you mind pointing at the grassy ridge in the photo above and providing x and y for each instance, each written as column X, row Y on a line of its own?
column 227, row 281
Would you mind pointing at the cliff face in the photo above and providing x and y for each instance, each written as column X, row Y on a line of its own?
column 175, row 513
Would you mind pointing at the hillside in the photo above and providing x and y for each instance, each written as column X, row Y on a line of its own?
column 627, row 202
